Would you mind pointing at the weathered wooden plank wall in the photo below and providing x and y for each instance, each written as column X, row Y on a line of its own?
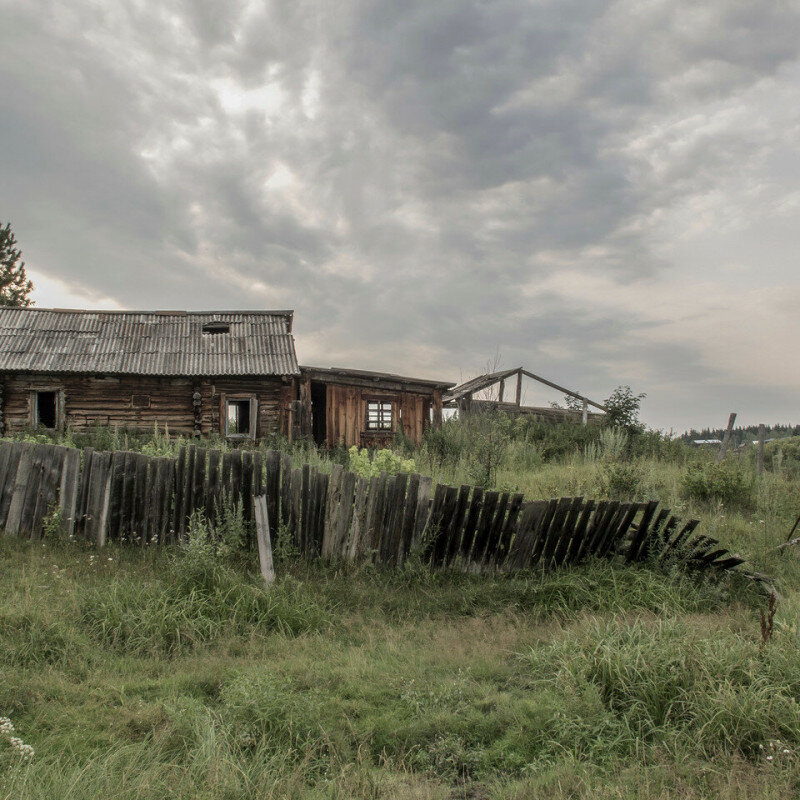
column 386, row 519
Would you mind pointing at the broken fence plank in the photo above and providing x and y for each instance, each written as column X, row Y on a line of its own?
column 261, row 517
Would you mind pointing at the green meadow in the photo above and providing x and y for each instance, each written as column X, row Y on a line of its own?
column 138, row 672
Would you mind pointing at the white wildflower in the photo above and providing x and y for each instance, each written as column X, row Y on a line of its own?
column 769, row 758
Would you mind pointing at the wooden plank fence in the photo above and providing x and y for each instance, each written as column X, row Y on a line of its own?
column 386, row 519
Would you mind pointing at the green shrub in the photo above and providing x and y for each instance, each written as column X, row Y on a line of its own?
column 621, row 481
column 783, row 455
column 367, row 465
column 724, row 482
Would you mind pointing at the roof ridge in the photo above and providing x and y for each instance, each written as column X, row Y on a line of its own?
column 160, row 312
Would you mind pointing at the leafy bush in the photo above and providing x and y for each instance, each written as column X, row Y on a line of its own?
column 621, row 481
column 784, row 456
column 724, row 482
column 623, row 409
column 380, row 461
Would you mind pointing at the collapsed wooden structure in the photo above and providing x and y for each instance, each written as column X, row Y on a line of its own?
column 385, row 519
column 463, row 398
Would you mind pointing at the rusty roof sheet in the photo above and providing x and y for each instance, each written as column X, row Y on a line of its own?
column 147, row 342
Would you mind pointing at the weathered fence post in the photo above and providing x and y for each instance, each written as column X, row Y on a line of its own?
column 762, row 435
column 726, row 438
column 261, row 516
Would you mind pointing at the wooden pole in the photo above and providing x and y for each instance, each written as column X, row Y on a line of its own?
column 726, row 438
column 263, row 539
column 555, row 386
column 502, row 390
column 519, row 388
column 762, row 435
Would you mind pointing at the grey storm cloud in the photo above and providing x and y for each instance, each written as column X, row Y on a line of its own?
column 598, row 190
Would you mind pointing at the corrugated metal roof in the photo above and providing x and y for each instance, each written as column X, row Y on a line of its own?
column 344, row 373
column 146, row 342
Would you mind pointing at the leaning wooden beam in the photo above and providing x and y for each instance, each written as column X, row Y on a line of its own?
column 726, row 438
column 762, row 434
column 562, row 389
column 262, row 537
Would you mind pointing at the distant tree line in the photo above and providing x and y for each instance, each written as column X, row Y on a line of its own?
column 741, row 435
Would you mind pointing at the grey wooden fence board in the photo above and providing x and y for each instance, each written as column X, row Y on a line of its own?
column 512, row 519
column 423, row 509
column 261, row 518
column 14, row 457
column 344, row 514
column 409, row 516
column 68, row 491
column 393, row 520
column 212, row 490
column 22, row 478
column 457, row 526
column 272, row 484
column 495, row 528
column 355, row 540
column 297, row 505
column 332, row 504
column 286, row 514
column 567, row 531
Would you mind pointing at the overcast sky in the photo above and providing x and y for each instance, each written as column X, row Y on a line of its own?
column 605, row 192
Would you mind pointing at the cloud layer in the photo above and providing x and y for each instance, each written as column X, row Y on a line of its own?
column 605, row 192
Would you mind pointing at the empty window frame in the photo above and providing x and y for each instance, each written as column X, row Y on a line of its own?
column 240, row 417
column 379, row 415
column 45, row 407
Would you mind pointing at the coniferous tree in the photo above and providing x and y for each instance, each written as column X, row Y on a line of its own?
column 15, row 287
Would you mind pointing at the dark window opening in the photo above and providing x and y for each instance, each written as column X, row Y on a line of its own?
column 319, row 413
column 140, row 401
column 379, row 416
column 216, row 327
column 238, row 418
column 46, row 414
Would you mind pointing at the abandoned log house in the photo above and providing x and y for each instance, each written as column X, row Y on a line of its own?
column 366, row 409
column 234, row 374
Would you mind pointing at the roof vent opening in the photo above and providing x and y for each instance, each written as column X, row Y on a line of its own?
column 216, row 327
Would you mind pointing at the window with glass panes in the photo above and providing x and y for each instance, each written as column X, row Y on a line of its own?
column 379, row 415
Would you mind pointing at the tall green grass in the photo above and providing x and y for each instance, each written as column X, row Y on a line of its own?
column 172, row 673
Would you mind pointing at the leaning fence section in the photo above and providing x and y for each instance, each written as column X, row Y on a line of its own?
column 386, row 519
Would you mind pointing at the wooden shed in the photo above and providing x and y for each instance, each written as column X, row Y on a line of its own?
column 354, row 407
column 197, row 373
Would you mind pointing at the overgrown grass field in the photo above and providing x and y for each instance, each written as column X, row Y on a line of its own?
column 156, row 673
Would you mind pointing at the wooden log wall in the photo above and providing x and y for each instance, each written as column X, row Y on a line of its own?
column 339, row 516
column 138, row 402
